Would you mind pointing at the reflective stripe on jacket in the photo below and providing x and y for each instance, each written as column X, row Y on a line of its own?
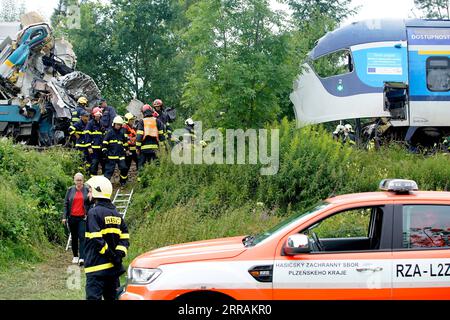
column 107, row 238
column 95, row 134
column 115, row 144
column 149, row 142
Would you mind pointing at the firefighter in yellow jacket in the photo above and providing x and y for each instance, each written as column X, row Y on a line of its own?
column 150, row 133
column 107, row 242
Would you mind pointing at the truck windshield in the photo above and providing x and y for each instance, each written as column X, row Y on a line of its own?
column 295, row 217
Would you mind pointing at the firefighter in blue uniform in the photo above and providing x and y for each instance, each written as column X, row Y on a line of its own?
column 107, row 242
column 95, row 135
column 78, row 131
column 76, row 114
column 115, row 147
column 109, row 114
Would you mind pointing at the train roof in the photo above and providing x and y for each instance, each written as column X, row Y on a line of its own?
column 9, row 29
column 366, row 31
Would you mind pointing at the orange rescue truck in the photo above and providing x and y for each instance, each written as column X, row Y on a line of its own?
column 392, row 244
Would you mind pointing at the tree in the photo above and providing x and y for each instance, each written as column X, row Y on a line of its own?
column 130, row 48
column 11, row 11
column 307, row 11
column 239, row 51
column 434, row 9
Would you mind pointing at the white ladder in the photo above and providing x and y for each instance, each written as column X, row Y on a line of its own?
column 121, row 201
column 69, row 241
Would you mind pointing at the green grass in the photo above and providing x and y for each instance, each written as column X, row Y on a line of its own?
column 47, row 280
column 180, row 225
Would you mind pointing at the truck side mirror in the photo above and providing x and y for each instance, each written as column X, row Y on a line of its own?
column 296, row 244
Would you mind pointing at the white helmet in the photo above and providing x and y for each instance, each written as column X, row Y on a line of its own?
column 339, row 128
column 101, row 187
column 118, row 120
column 189, row 122
column 348, row 127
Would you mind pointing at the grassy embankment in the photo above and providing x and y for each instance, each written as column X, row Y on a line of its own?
column 179, row 203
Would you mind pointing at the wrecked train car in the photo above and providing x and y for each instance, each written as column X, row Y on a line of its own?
column 39, row 86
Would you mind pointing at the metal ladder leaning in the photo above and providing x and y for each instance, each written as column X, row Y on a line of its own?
column 121, row 201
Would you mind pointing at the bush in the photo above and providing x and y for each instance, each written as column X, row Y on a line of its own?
column 177, row 203
column 31, row 198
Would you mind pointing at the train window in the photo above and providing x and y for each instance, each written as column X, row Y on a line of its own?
column 438, row 74
column 334, row 64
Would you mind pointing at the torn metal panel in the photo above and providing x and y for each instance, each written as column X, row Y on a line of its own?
column 77, row 84
column 135, row 107
column 63, row 50
column 31, row 18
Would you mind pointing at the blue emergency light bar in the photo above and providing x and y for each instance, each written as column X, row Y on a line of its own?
column 398, row 185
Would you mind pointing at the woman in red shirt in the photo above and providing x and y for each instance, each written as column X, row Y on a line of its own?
column 76, row 206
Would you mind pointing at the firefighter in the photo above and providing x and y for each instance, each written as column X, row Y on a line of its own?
column 130, row 131
column 150, row 133
column 349, row 135
column 338, row 133
column 95, row 134
column 109, row 114
column 189, row 133
column 79, row 133
column 82, row 105
column 158, row 106
column 107, row 242
column 115, row 147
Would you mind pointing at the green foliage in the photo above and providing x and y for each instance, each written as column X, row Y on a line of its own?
column 178, row 203
column 434, row 9
column 306, row 11
column 350, row 224
column 205, row 57
column 240, row 63
column 32, row 192
column 130, row 48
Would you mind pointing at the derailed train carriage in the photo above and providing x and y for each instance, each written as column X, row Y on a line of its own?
column 39, row 86
column 394, row 72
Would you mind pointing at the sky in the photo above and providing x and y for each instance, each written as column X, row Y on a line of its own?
column 370, row 9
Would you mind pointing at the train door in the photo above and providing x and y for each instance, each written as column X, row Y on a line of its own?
column 429, row 74
column 396, row 101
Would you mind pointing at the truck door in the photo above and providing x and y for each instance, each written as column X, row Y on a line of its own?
column 429, row 76
column 421, row 256
column 350, row 258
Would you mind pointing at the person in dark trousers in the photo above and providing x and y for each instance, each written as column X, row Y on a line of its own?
column 108, row 115
column 158, row 105
column 107, row 242
column 150, row 133
column 76, row 206
column 115, row 146
column 78, row 130
column 130, row 130
column 95, row 135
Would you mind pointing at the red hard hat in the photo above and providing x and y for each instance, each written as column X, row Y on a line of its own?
column 146, row 107
column 97, row 110
column 157, row 103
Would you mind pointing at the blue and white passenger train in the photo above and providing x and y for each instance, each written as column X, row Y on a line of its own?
column 397, row 70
